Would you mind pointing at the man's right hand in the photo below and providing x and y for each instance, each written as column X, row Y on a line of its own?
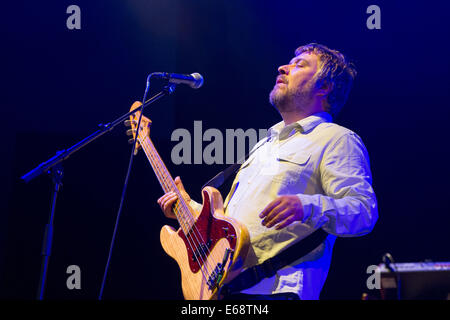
column 167, row 201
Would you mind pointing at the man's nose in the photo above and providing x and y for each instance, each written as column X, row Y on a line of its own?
column 283, row 69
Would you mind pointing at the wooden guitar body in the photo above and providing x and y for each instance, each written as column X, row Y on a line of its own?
column 225, row 246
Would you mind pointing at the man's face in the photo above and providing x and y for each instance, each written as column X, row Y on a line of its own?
column 295, row 84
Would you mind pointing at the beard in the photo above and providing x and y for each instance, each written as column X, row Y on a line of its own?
column 278, row 98
column 284, row 100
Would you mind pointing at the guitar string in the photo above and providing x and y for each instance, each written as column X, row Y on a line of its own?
column 193, row 227
column 166, row 184
column 175, row 189
column 182, row 223
column 169, row 183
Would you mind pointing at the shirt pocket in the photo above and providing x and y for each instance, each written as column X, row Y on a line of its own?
column 290, row 167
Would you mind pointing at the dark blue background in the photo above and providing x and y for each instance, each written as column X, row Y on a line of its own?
column 58, row 84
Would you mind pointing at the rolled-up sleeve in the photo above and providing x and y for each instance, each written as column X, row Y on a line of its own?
column 348, row 207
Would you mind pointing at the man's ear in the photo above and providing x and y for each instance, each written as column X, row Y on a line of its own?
column 325, row 88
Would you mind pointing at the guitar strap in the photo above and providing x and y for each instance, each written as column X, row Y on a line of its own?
column 253, row 275
column 222, row 176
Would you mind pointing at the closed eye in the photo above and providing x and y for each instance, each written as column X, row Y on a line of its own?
column 299, row 62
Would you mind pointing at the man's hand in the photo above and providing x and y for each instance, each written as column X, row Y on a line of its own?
column 167, row 200
column 282, row 212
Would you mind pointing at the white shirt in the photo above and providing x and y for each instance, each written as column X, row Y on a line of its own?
column 327, row 167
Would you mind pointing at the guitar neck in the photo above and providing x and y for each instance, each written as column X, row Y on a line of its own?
column 184, row 215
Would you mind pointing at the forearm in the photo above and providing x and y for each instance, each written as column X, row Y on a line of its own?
column 349, row 216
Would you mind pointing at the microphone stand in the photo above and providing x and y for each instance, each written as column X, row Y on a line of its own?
column 54, row 166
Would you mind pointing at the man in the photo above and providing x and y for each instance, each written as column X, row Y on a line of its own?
column 309, row 173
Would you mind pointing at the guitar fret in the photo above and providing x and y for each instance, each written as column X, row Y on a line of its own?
column 183, row 214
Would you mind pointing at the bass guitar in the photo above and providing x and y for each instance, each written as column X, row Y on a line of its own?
column 209, row 247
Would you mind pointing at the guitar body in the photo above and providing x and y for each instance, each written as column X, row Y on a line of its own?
column 212, row 253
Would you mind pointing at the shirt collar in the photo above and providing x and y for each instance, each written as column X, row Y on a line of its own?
column 304, row 125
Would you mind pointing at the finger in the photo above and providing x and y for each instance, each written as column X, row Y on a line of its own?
column 269, row 208
column 165, row 196
column 170, row 211
column 167, row 204
column 163, row 200
column 274, row 212
column 179, row 184
column 285, row 223
column 277, row 217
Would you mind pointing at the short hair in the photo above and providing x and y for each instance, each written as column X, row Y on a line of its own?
column 336, row 70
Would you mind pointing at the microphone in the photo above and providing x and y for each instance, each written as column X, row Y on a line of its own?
column 194, row 80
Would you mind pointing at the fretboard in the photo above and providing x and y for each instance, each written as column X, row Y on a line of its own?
column 180, row 208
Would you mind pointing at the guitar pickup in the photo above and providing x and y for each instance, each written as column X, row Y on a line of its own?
column 201, row 251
